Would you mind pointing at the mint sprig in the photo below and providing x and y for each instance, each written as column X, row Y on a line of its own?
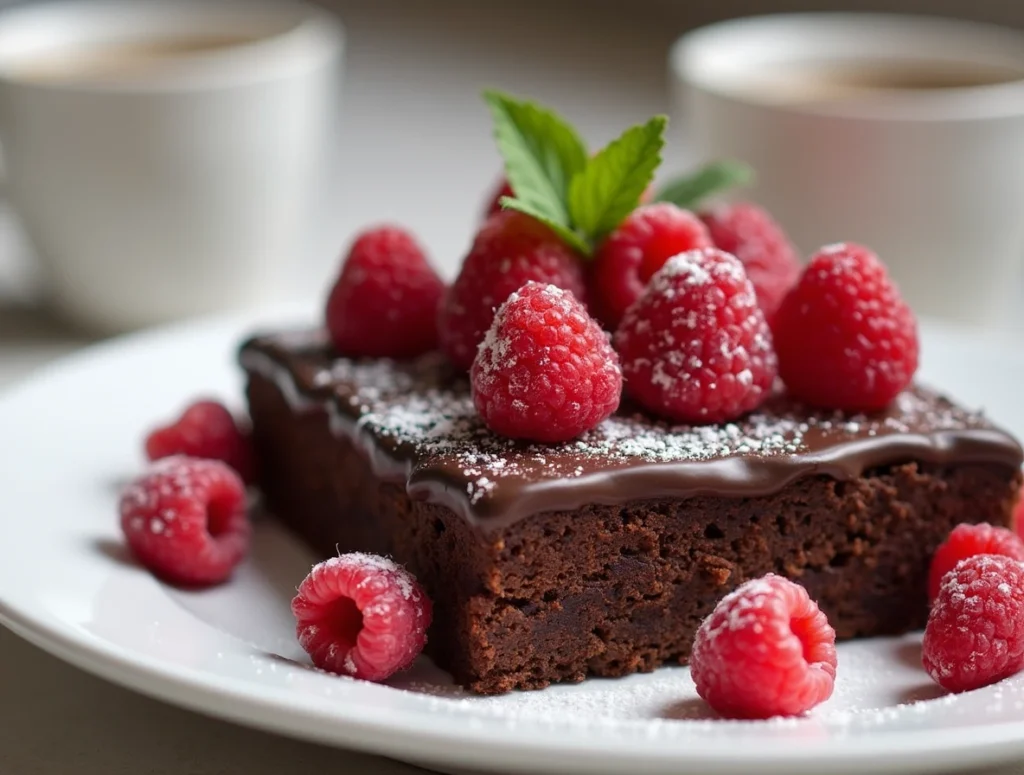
column 560, row 228
column 610, row 186
column 542, row 153
column 690, row 191
column 582, row 199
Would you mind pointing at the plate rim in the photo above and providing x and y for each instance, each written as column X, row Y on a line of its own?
column 428, row 744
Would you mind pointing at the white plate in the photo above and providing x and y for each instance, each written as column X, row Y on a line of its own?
column 72, row 435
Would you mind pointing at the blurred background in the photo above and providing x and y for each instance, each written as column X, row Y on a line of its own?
column 413, row 142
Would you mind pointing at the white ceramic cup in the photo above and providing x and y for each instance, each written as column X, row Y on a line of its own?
column 932, row 179
column 158, row 192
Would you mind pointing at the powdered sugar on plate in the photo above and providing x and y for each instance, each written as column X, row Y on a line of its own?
column 879, row 683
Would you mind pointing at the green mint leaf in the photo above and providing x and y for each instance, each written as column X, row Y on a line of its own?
column 610, row 186
column 542, row 154
column 565, row 232
column 690, row 191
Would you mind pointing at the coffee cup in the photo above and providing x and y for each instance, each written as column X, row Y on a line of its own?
column 903, row 133
column 165, row 158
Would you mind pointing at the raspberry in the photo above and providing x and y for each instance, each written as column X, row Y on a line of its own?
column 361, row 615
column 384, row 303
column 185, row 520
column 844, row 336
column 1017, row 521
column 206, row 430
column 695, row 347
column 637, row 249
column 766, row 650
column 750, row 234
column 502, row 190
column 966, row 541
column 545, row 371
column 510, row 250
column 975, row 631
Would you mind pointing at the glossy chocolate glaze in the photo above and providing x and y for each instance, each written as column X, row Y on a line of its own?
column 416, row 423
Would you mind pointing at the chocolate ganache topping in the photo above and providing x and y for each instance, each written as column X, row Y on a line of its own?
column 416, row 422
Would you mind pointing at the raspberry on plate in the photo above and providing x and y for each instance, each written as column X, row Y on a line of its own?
column 206, row 429
column 361, row 615
column 966, row 541
column 185, row 520
column 545, row 371
column 695, row 347
column 384, row 303
column 844, row 336
column 510, row 250
column 766, row 650
column 639, row 247
column 975, row 631
column 752, row 235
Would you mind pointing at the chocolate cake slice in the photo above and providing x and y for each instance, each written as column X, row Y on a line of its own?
column 601, row 556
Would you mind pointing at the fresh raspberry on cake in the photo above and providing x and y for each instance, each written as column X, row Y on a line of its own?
column 975, row 631
column 638, row 248
column 766, row 650
column 695, row 347
column 186, row 521
column 966, row 541
column 545, row 370
column 1017, row 520
column 361, row 615
column 206, row 429
column 502, row 190
column 510, row 250
column 844, row 336
column 384, row 303
column 750, row 234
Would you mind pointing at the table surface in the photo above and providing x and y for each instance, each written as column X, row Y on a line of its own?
column 413, row 75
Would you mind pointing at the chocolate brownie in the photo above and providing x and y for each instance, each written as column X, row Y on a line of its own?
column 601, row 556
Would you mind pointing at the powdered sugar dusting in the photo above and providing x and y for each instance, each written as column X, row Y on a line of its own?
column 421, row 410
column 738, row 610
column 833, row 248
column 976, row 600
column 350, row 664
column 696, row 269
column 686, row 265
column 494, row 352
column 421, row 414
column 371, row 564
column 170, row 484
column 879, row 686
column 363, row 561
